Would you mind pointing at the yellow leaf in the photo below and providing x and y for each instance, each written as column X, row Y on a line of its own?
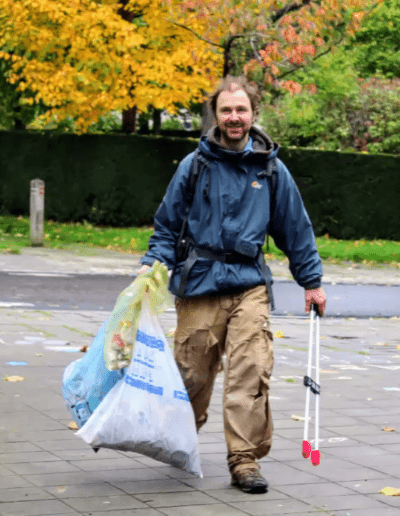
column 388, row 429
column 390, row 491
column 14, row 378
column 279, row 334
column 73, row 426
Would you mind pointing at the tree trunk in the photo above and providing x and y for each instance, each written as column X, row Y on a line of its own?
column 208, row 118
column 129, row 120
column 156, row 121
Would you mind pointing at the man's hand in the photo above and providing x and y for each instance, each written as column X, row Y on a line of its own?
column 316, row 296
column 143, row 268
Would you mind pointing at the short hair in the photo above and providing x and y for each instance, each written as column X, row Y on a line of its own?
column 231, row 83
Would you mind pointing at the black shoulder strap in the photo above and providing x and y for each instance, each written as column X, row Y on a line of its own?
column 272, row 174
column 192, row 183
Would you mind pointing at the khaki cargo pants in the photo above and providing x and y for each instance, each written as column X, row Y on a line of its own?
column 238, row 326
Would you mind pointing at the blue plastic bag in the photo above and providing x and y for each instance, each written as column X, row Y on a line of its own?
column 87, row 381
column 149, row 411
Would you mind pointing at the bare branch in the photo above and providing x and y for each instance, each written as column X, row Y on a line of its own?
column 197, row 35
column 256, row 52
column 294, row 6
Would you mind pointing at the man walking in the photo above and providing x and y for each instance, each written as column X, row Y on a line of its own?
column 221, row 281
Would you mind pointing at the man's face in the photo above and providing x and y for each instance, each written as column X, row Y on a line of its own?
column 234, row 118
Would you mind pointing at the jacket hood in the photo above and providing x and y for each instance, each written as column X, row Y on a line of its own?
column 263, row 146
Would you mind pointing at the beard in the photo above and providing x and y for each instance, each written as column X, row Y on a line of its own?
column 234, row 132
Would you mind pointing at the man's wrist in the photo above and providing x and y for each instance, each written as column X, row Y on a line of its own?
column 313, row 285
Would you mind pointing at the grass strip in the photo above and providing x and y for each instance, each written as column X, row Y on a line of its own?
column 15, row 234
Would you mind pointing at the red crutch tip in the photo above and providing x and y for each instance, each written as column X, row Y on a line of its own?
column 315, row 457
column 306, row 449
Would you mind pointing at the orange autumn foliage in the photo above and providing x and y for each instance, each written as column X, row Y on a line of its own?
column 290, row 33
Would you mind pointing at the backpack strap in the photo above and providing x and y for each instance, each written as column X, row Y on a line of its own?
column 272, row 174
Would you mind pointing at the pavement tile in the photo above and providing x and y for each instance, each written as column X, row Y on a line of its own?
column 52, row 435
column 209, row 483
column 5, row 470
column 127, row 475
column 305, row 491
column 54, row 446
column 175, row 499
column 279, row 474
column 349, row 502
column 275, row 507
column 41, row 456
column 234, row 494
column 85, row 453
column 61, row 479
column 33, row 468
column 126, row 512
column 390, row 500
column 19, row 447
column 23, row 494
column 104, row 503
column 105, row 464
column 371, row 486
column 382, row 511
column 360, row 473
column 203, row 510
column 380, row 438
column 35, row 508
column 154, row 486
column 80, row 491
column 13, row 481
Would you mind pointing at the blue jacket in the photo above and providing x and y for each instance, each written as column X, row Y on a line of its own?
column 232, row 214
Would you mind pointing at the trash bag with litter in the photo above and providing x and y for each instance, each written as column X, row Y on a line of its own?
column 86, row 381
column 149, row 412
column 121, row 329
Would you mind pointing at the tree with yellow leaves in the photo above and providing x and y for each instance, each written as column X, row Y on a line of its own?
column 84, row 58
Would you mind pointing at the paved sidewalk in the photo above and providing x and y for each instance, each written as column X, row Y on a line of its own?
column 46, row 470
column 90, row 260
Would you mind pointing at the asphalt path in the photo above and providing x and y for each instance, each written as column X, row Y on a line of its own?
column 99, row 292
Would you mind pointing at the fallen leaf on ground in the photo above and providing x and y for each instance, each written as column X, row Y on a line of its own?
column 397, row 347
column 299, row 418
column 171, row 332
column 390, row 491
column 14, row 378
column 73, row 426
column 83, row 349
column 279, row 334
column 388, row 429
column 61, row 489
column 38, row 355
column 327, row 371
column 381, row 344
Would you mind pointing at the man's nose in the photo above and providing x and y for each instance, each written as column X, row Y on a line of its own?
column 234, row 116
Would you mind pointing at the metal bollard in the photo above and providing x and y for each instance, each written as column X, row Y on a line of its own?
column 37, row 212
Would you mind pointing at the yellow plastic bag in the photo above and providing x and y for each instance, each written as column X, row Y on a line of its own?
column 120, row 333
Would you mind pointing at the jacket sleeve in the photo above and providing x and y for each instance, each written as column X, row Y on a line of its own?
column 293, row 233
column 169, row 217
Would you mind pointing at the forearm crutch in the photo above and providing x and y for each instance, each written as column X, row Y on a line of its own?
column 312, row 386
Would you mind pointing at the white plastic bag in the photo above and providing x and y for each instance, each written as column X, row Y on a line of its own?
column 149, row 411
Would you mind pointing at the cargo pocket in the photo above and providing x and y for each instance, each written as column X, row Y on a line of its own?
column 196, row 355
column 269, row 353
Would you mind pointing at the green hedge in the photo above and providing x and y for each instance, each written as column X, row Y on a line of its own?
column 120, row 180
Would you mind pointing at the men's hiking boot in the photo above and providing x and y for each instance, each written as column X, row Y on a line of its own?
column 250, row 481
